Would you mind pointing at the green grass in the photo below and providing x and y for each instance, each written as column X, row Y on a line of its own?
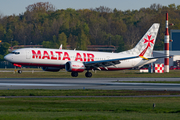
column 86, row 92
column 98, row 74
column 89, row 108
column 103, row 108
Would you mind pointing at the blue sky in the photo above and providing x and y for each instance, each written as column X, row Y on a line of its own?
column 10, row 7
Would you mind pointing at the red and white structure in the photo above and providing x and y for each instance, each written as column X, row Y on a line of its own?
column 158, row 68
column 166, row 47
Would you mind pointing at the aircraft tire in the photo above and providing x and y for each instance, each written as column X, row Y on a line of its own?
column 19, row 71
column 74, row 74
column 88, row 74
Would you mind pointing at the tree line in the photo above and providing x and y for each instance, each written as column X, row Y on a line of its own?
column 42, row 24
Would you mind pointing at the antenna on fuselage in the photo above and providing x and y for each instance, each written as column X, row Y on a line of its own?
column 60, row 47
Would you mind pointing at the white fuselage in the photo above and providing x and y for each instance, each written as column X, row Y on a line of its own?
column 58, row 58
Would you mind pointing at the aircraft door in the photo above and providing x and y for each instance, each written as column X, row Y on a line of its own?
column 28, row 54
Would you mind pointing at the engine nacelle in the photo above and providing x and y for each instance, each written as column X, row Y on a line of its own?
column 74, row 66
column 52, row 69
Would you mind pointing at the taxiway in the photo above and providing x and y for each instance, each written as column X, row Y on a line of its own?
column 88, row 83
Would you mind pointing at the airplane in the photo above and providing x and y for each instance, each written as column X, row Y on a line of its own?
column 76, row 61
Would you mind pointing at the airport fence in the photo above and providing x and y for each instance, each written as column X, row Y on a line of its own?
column 6, row 64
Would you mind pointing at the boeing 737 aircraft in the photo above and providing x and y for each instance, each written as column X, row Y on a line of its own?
column 76, row 61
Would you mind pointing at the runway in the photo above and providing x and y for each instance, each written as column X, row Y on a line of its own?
column 88, row 83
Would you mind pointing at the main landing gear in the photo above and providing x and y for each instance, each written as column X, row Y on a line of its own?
column 87, row 74
column 74, row 74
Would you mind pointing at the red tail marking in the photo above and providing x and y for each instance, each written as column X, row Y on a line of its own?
column 144, row 51
column 149, row 40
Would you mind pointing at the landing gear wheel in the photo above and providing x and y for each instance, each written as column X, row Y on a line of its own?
column 88, row 74
column 74, row 74
column 19, row 71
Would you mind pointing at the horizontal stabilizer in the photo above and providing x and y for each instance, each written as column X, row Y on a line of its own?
column 156, row 57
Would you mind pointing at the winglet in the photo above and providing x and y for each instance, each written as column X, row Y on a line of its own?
column 60, row 47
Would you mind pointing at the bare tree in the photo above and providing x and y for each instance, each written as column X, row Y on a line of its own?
column 155, row 6
column 132, row 36
column 1, row 15
column 41, row 6
column 102, row 9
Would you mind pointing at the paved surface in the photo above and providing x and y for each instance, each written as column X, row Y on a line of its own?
column 87, row 83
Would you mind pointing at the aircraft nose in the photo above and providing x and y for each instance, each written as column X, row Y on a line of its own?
column 7, row 57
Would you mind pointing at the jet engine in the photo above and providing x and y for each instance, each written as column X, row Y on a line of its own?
column 74, row 66
column 52, row 69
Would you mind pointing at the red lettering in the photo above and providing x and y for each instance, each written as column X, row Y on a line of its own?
column 52, row 56
column 84, row 54
column 78, row 57
column 46, row 55
column 66, row 56
column 90, row 57
column 87, row 57
column 59, row 55
column 78, row 65
column 36, row 55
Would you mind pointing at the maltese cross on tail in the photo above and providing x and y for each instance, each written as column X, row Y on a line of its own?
column 149, row 41
column 148, row 45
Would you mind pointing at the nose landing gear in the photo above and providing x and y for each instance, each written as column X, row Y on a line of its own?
column 19, row 71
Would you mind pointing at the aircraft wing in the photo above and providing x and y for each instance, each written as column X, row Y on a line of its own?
column 105, row 63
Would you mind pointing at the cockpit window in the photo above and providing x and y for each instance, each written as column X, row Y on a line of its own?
column 15, row 53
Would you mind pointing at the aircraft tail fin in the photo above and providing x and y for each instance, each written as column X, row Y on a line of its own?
column 146, row 44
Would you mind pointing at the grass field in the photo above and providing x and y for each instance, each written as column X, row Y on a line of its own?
column 89, row 108
column 98, row 74
column 86, row 92
column 101, row 108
